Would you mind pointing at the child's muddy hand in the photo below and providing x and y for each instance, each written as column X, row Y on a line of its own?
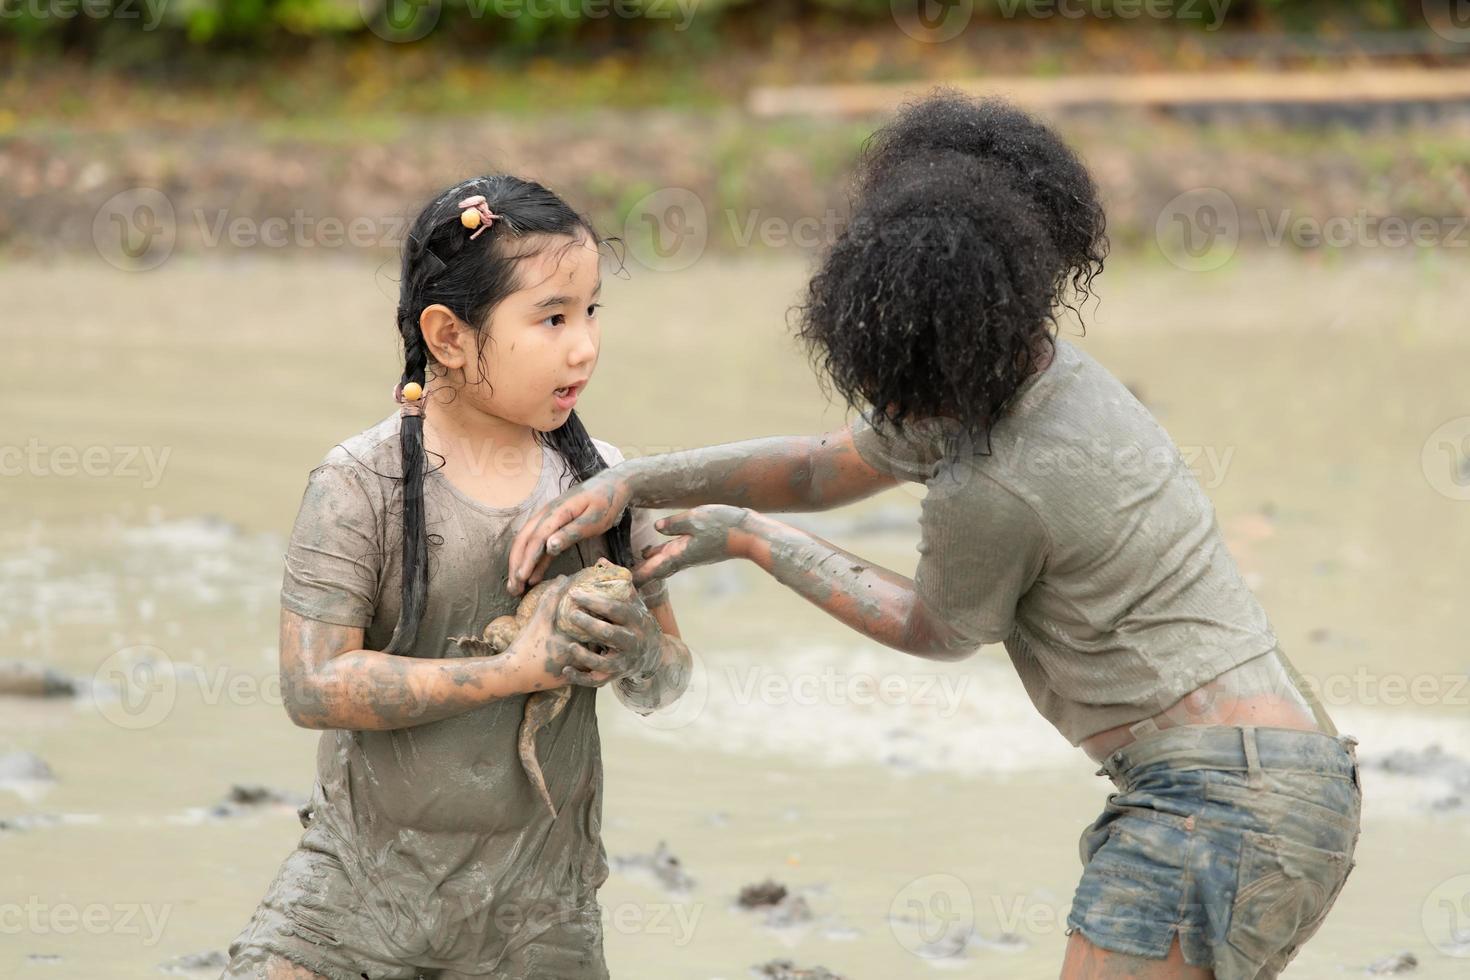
column 585, row 511
column 701, row 536
column 569, row 662
column 586, row 678
column 540, row 652
column 627, row 631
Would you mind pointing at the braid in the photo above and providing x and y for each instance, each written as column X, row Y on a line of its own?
column 415, row 534
column 575, row 446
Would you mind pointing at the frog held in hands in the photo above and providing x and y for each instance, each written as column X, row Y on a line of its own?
column 542, row 707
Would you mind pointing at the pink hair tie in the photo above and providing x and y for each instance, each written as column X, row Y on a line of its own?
column 476, row 215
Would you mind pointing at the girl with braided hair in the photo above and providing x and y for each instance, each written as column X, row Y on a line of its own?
column 427, row 852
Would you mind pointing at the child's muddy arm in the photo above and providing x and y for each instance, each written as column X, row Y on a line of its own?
column 780, row 473
column 871, row 599
column 329, row 681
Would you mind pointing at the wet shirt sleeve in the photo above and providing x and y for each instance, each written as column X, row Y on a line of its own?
column 334, row 557
column 904, row 453
column 981, row 548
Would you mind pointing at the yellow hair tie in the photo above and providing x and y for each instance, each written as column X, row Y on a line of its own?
column 476, row 215
column 410, row 396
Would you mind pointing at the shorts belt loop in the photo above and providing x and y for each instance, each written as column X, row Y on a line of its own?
column 1255, row 779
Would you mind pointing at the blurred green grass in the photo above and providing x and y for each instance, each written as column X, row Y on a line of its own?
column 744, row 170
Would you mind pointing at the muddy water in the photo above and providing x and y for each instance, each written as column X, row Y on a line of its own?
column 166, row 421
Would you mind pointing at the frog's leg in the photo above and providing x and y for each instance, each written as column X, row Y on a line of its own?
column 541, row 709
column 497, row 638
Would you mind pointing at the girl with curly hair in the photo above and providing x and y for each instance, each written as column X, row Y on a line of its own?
column 1060, row 520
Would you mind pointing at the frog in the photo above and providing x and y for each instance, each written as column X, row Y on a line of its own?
column 542, row 707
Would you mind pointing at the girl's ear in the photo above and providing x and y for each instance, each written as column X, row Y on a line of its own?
column 444, row 334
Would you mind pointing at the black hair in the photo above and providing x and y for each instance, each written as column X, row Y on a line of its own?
column 972, row 223
column 441, row 264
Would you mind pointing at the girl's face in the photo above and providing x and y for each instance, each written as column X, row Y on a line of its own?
column 541, row 344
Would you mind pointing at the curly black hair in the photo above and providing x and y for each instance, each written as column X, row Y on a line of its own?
column 973, row 222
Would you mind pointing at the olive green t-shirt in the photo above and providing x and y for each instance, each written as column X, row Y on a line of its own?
column 1083, row 542
column 438, row 823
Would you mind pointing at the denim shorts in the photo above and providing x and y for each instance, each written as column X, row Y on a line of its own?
column 1236, row 840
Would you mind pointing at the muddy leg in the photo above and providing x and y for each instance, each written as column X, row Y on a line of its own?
column 1084, row 961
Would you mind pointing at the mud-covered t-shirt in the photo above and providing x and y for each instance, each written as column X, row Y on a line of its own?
column 437, row 825
column 1083, row 542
